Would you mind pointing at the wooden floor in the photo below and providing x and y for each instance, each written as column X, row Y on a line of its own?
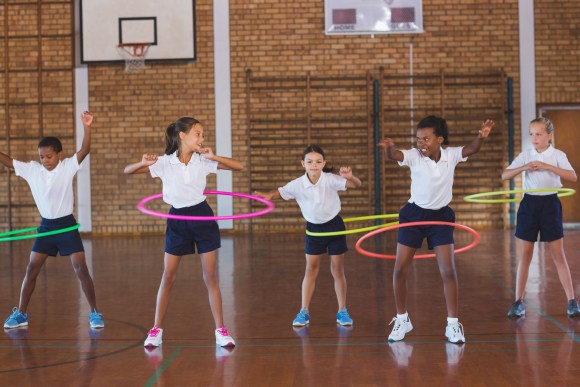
column 260, row 279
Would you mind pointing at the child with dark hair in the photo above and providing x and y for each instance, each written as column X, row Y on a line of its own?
column 432, row 168
column 540, row 213
column 316, row 192
column 50, row 182
column 183, row 170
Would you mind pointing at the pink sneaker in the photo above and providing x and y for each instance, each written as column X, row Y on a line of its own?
column 223, row 338
column 154, row 337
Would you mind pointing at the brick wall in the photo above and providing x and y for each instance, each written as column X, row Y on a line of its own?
column 36, row 94
column 272, row 38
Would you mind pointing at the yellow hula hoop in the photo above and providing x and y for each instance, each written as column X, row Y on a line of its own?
column 358, row 230
column 475, row 198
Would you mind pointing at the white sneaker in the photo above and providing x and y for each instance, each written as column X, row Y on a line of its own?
column 400, row 328
column 154, row 337
column 454, row 333
column 223, row 338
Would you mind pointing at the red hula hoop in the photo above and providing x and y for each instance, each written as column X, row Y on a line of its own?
column 476, row 238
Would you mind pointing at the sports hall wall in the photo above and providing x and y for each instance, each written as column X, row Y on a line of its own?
column 284, row 42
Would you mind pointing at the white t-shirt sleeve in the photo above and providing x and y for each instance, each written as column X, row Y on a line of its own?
column 409, row 157
column 209, row 166
column 519, row 161
column 456, row 154
column 563, row 162
column 337, row 182
column 72, row 164
column 23, row 169
column 288, row 192
column 158, row 168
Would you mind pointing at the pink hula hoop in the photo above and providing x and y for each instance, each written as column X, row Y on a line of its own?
column 269, row 207
column 475, row 242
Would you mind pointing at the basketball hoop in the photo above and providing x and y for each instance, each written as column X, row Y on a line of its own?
column 134, row 55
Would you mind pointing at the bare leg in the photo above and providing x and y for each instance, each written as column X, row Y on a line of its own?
column 556, row 249
column 309, row 282
column 337, row 270
column 449, row 276
column 82, row 271
column 524, row 262
column 210, row 277
column 167, row 280
column 400, row 273
column 35, row 264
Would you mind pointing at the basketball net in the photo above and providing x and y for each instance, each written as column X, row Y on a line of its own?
column 134, row 55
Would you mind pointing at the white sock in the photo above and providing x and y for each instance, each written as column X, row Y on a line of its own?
column 403, row 316
column 452, row 320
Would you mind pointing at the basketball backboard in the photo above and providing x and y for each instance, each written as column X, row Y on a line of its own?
column 168, row 26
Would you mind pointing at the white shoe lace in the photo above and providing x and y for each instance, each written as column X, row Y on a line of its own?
column 398, row 323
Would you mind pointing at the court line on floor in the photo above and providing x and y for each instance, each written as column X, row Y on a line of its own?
column 92, row 357
column 534, row 307
column 158, row 372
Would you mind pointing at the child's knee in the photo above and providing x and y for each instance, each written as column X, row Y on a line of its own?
column 337, row 270
column 448, row 274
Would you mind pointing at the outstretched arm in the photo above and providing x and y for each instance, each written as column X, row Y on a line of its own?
column 271, row 195
column 223, row 162
column 87, row 118
column 391, row 150
column 351, row 180
column 476, row 144
column 6, row 161
column 142, row 166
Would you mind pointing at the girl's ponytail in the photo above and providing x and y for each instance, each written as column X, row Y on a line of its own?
column 171, row 139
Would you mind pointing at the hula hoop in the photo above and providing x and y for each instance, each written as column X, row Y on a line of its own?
column 269, row 207
column 562, row 192
column 475, row 242
column 357, row 230
column 39, row 235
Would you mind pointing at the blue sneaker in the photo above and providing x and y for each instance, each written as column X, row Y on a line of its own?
column 573, row 308
column 96, row 320
column 517, row 310
column 16, row 319
column 343, row 318
column 301, row 319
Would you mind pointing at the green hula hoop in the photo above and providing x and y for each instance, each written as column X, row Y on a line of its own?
column 358, row 230
column 475, row 198
column 30, row 236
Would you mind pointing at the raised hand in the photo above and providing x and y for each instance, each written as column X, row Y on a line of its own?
column 87, row 118
column 386, row 143
column 486, row 128
column 345, row 172
column 149, row 159
column 206, row 152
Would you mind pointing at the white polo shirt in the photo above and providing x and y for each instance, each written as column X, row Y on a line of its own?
column 432, row 182
column 52, row 190
column 318, row 202
column 183, row 185
column 541, row 179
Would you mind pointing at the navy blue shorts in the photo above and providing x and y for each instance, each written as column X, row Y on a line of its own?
column 182, row 236
column 64, row 244
column 334, row 245
column 436, row 235
column 541, row 214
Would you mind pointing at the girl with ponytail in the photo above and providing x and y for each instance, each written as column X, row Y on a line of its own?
column 183, row 170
